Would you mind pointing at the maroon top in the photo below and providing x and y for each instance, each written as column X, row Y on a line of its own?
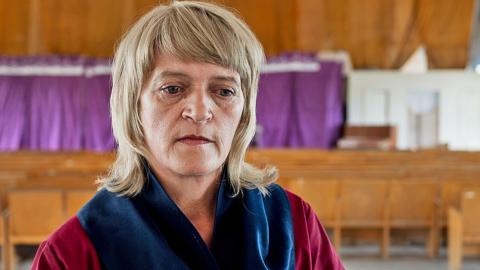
column 313, row 249
column 70, row 247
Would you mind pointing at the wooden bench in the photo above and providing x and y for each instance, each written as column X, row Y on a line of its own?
column 323, row 196
column 76, row 199
column 311, row 173
column 414, row 204
column 379, row 205
column 35, row 213
column 362, row 206
column 464, row 227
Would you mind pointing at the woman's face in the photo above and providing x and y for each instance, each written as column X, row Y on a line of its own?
column 190, row 112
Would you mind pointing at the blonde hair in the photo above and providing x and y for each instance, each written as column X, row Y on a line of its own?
column 188, row 30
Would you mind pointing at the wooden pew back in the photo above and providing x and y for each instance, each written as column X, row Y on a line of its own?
column 321, row 195
column 471, row 215
column 413, row 203
column 362, row 203
column 76, row 199
column 452, row 171
column 34, row 214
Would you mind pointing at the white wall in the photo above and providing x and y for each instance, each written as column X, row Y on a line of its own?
column 387, row 98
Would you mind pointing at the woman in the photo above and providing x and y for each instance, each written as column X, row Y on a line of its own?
column 179, row 195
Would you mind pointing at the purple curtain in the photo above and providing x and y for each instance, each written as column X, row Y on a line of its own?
column 54, row 121
column 97, row 123
column 273, row 109
column 70, row 111
column 13, row 111
column 50, row 104
column 301, row 108
column 318, row 107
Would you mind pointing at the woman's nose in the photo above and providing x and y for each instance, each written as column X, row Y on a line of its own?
column 198, row 107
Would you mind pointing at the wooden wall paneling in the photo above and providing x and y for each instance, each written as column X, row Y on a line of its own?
column 443, row 28
column 134, row 9
column 272, row 21
column 356, row 26
column 383, row 34
column 322, row 25
column 14, row 27
column 104, row 26
column 402, row 38
column 287, row 25
column 34, row 27
column 377, row 33
column 89, row 27
column 63, row 27
column 446, row 31
column 128, row 14
column 370, row 31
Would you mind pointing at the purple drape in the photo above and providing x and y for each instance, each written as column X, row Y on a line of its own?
column 300, row 108
column 97, row 121
column 13, row 111
column 64, row 111
column 273, row 109
column 54, row 112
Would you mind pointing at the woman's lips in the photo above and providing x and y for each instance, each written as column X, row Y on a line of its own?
column 194, row 140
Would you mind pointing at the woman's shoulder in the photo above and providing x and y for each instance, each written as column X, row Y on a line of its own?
column 104, row 204
column 68, row 247
column 296, row 203
column 300, row 206
column 313, row 249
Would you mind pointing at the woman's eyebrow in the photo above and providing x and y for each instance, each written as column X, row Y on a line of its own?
column 159, row 76
column 226, row 78
column 170, row 73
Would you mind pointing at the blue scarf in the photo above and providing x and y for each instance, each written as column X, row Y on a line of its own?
column 149, row 231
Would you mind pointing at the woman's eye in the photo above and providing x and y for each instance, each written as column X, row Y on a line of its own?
column 226, row 92
column 172, row 90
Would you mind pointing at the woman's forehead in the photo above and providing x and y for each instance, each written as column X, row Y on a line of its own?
column 166, row 65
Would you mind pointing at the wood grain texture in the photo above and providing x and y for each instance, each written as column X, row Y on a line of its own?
column 14, row 27
column 384, row 33
column 349, row 190
column 377, row 33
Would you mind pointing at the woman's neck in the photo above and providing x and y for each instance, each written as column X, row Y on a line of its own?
column 195, row 196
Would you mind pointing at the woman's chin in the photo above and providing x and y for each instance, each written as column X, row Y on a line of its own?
column 202, row 161
column 195, row 171
column 199, row 167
